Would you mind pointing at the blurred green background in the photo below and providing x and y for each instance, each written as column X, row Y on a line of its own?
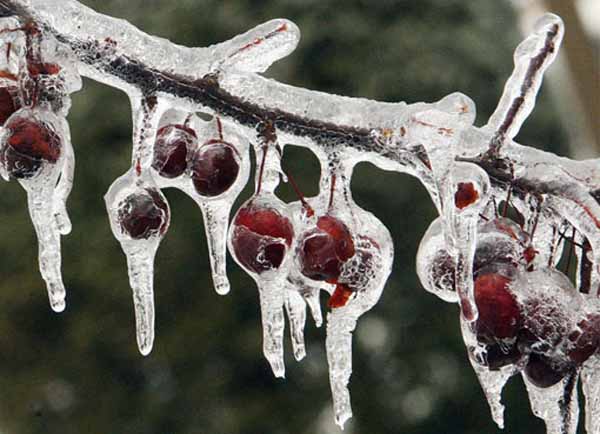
column 80, row 371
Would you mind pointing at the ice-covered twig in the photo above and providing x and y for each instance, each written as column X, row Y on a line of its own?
column 532, row 58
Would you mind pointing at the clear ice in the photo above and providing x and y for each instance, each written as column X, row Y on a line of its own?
column 218, row 93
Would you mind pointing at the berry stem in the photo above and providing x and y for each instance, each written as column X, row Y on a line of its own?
column 264, row 148
column 571, row 248
column 309, row 210
column 219, row 128
column 332, row 191
column 507, row 201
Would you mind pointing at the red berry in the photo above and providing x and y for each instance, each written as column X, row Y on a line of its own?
column 171, row 149
column 8, row 104
column 214, row 168
column 499, row 241
column 465, row 195
column 586, row 340
column 324, row 249
column 29, row 143
column 143, row 215
column 545, row 372
column 499, row 312
column 261, row 237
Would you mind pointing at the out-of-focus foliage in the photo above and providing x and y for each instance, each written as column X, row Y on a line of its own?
column 80, row 372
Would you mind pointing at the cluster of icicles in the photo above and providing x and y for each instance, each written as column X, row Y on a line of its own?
column 518, row 312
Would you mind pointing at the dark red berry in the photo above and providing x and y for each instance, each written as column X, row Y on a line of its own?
column 324, row 249
column 545, row 372
column 214, row 168
column 144, row 214
column 499, row 312
column 586, row 340
column 8, row 104
column 465, row 195
column 29, row 143
column 261, row 237
column 171, row 150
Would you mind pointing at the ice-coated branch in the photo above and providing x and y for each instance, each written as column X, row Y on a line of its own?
column 293, row 251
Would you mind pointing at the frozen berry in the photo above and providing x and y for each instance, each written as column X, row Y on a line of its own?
column 549, row 305
column 499, row 241
column 28, row 144
column 545, row 372
column 214, row 168
column 585, row 340
column 8, row 103
column 171, row 150
column 324, row 249
column 260, row 238
column 499, row 312
column 144, row 214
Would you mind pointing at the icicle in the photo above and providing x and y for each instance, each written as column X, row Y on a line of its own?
column 340, row 326
column 312, row 300
column 38, row 166
column 216, row 223
column 259, row 240
column 590, row 380
column 465, row 197
column 140, row 264
column 557, row 406
column 492, row 381
column 272, row 299
column 360, row 283
column 139, row 217
column 41, row 209
column 216, row 210
column 295, row 307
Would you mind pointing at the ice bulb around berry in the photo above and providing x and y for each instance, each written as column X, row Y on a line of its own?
column 139, row 216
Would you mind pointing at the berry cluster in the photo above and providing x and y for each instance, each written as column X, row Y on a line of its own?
column 530, row 316
column 322, row 244
column 213, row 166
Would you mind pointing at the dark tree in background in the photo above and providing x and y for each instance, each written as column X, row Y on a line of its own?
column 80, row 371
